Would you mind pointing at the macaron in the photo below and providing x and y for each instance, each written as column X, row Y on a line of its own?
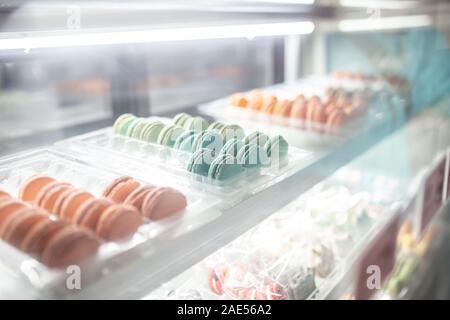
column 39, row 235
column 239, row 100
column 17, row 225
column 120, row 121
column 208, row 140
column 31, row 187
column 130, row 127
column 88, row 214
column 163, row 202
column 224, row 167
column 73, row 201
column 299, row 108
column 231, row 131
column 255, row 100
column 120, row 188
column 50, row 193
column 252, row 155
column 8, row 206
column 283, row 108
column 256, row 137
column 169, row 135
column 185, row 141
column 269, row 104
column 138, row 128
column 215, row 126
column 200, row 161
column 69, row 246
column 196, row 123
column 118, row 221
column 181, row 118
column 151, row 130
column 232, row 147
column 4, row 194
column 277, row 147
column 136, row 198
column 335, row 119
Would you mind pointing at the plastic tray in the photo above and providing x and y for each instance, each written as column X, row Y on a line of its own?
column 29, row 273
column 299, row 132
column 294, row 229
column 133, row 156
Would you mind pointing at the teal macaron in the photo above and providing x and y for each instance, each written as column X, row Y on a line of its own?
column 169, row 134
column 151, row 130
column 232, row 147
column 256, row 137
column 196, row 123
column 200, row 162
column 120, row 122
column 224, row 167
column 181, row 118
column 277, row 147
column 252, row 155
column 209, row 140
column 231, row 131
column 185, row 141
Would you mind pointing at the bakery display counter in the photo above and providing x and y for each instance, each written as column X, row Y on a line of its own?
column 255, row 182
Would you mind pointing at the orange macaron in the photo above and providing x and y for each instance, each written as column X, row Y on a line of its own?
column 17, row 225
column 4, row 194
column 299, row 108
column 118, row 221
column 39, row 235
column 120, row 188
column 32, row 186
column 72, row 202
column 269, row 104
column 283, row 108
column 8, row 206
column 69, row 246
column 89, row 213
column 50, row 193
column 162, row 202
column 136, row 198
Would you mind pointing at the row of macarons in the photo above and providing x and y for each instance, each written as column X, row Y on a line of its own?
column 333, row 111
column 46, row 207
column 218, row 150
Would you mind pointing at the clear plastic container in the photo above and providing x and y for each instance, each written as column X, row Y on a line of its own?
column 24, row 277
column 386, row 103
column 136, row 156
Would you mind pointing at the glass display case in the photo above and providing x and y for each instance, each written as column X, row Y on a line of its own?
column 244, row 150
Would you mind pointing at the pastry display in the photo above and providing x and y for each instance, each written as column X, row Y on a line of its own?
column 217, row 151
column 332, row 111
column 55, row 243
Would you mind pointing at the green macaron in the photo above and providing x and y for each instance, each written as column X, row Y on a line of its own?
column 207, row 139
column 169, row 135
column 224, row 167
column 151, row 131
column 120, row 121
column 185, row 140
column 231, row 131
column 130, row 127
column 181, row 118
column 215, row 126
column 196, row 123
column 256, row 137
column 277, row 147
column 252, row 155
column 200, row 161
column 232, row 147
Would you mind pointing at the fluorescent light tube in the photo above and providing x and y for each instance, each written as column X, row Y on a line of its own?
column 157, row 35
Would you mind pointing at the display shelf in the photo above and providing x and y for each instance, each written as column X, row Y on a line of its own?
column 232, row 221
